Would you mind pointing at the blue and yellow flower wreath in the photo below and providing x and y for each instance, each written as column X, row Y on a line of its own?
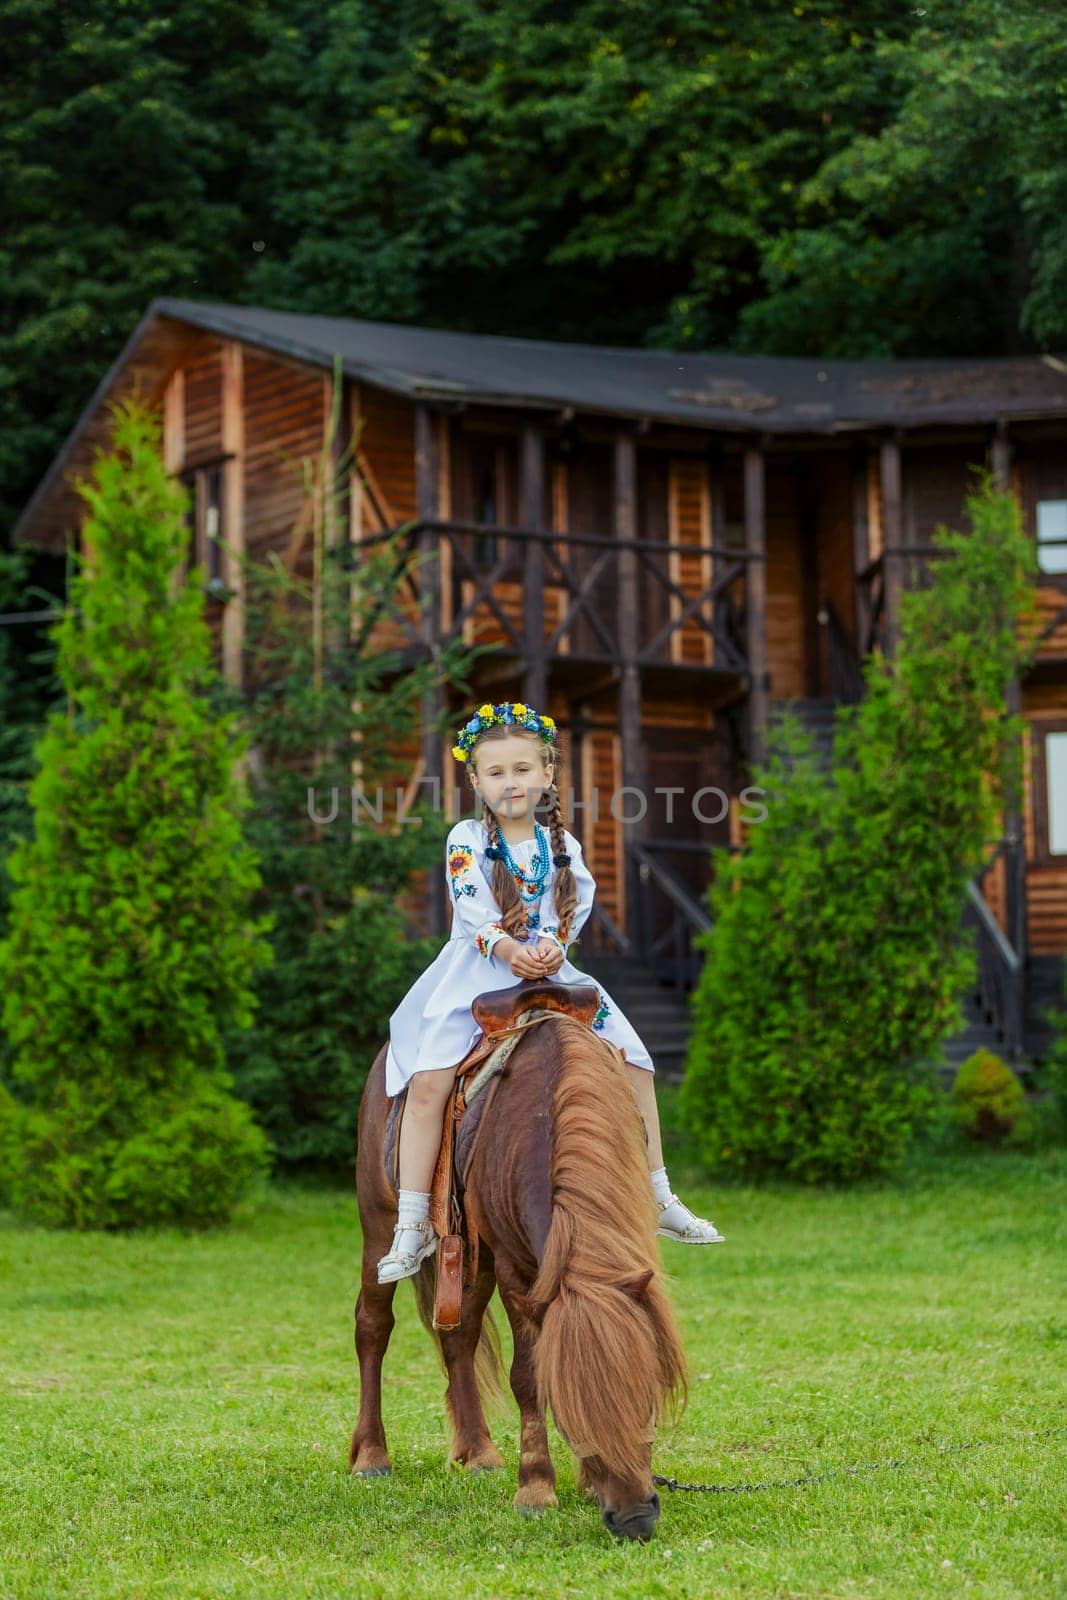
column 509, row 713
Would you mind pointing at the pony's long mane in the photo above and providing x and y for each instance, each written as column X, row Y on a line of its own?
column 609, row 1360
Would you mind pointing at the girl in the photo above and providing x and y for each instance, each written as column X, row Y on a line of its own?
column 520, row 894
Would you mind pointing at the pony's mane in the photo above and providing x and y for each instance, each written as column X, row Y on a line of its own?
column 609, row 1359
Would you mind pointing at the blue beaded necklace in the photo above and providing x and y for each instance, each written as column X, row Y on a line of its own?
column 530, row 883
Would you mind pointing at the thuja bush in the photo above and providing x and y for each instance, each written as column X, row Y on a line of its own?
column 836, row 960
column 131, row 943
column 21, row 716
column 988, row 1100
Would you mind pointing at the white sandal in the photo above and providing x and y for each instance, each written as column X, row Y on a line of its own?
column 698, row 1231
column 403, row 1263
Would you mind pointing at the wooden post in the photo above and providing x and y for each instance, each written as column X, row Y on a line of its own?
column 174, row 421
column 429, row 577
column 531, row 515
column 630, row 726
column 174, row 452
column 1001, row 454
column 892, row 539
column 233, row 510
column 756, row 601
column 1015, row 864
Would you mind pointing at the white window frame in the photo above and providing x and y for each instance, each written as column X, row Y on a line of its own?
column 1050, row 521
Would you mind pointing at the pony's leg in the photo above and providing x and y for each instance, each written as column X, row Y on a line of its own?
column 471, row 1444
column 368, row 1456
column 537, row 1475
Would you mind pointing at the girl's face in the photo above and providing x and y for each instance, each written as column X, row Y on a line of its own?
column 509, row 774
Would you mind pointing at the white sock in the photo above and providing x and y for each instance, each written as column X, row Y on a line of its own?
column 661, row 1185
column 412, row 1205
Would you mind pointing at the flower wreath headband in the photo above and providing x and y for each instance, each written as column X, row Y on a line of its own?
column 512, row 714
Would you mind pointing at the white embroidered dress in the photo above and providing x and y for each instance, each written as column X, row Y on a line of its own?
column 433, row 1028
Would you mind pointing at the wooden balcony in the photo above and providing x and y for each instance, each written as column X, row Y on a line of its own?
column 534, row 594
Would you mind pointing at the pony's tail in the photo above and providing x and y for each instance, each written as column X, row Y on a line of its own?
column 488, row 1357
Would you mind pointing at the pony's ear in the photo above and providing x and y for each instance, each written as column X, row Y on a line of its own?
column 532, row 1310
column 636, row 1287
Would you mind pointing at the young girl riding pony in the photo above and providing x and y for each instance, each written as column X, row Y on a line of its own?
column 520, row 894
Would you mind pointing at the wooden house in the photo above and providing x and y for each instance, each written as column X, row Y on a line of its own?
column 662, row 546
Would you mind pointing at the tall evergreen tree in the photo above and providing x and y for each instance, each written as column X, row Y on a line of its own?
column 131, row 942
column 332, row 723
column 836, row 962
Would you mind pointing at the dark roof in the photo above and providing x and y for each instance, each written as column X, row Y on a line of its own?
column 775, row 393
column 771, row 394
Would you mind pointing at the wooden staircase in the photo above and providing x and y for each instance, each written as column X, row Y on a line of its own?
column 1043, row 989
column 817, row 716
column 660, row 1014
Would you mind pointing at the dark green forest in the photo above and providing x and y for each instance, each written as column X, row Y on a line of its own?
column 863, row 179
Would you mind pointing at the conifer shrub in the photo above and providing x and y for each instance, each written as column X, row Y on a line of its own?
column 987, row 1098
column 131, row 944
column 836, row 961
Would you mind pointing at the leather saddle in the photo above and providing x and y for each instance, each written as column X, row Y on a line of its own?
column 502, row 1015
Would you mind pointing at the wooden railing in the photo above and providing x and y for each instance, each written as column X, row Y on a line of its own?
column 581, row 572
column 1000, row 978
column 843, row 663
column 672, row 955
column 1001, row 970
column 870, row 607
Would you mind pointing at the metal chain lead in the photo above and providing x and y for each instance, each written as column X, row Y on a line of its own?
column 874, row 1466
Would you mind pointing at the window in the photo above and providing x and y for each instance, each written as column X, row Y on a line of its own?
column 1052, row 535
column 204, row 520
column 1048, row 744
column 487, row 491
column 485, row 511
column 1056, row 792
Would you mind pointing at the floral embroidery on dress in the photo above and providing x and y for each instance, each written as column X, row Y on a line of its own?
column 460, row 862
column 601, row 1016
column 482, row 938
column 551, row 931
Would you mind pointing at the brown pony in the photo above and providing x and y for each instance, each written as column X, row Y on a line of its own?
column 558, row 1187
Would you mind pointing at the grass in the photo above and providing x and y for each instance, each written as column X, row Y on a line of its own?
column 176, row 1410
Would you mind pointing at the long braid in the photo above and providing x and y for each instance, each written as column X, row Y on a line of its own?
column 566, row 888
column 505, row 891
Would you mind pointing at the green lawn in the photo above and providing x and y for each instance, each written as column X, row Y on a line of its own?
column 176, row 1411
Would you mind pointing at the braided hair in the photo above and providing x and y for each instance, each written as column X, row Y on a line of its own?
column 505, row 890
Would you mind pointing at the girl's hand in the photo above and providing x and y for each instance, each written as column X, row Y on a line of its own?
column 551, row 956
column 521, row 958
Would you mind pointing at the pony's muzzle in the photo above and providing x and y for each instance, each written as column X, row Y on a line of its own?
column 639, row 1522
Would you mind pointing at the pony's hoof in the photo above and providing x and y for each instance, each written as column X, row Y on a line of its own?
column 534, row 1499
column 486, row 1466
column 373, row 1472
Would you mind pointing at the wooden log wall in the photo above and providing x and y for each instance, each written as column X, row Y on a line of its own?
column 689, row 523
column 285, row 416
column 384, row 427
column 202, row 424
